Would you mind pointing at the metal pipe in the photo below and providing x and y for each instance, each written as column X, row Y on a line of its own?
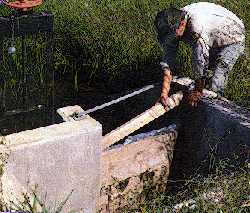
column 78, row 116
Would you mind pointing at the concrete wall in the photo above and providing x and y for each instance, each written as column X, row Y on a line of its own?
column 66, row 157
column 58, row 159
column 216, row 130
column 127, row 170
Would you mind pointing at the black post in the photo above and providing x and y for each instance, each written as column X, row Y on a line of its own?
column 24, row 74
column 1, row 50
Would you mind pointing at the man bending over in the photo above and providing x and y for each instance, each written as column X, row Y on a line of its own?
column 216, row 37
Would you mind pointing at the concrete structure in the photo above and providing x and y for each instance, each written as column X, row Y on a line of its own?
column 127, row 170
column 216, row 130
column 67, row 156
column 55, row 160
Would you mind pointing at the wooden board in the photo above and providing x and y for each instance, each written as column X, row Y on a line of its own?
column 140, row 121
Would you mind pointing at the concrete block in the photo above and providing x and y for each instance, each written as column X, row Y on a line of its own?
column 215, row 130
column 228, row 126
column 67, row 112
column 57, row 159
column 126, row 171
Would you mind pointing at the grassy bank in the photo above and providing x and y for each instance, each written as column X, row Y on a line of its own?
column 225, row 188
column 108, row 38
column 116, row 37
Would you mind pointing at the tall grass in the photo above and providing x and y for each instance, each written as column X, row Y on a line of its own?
column 111, row 38
column 31, row 203
column 235, row 188
column 17, row 82
column 105, row 37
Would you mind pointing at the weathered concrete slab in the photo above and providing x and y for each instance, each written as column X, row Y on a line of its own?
column 215, row 122
column 228, row 126
column 130, row 169
column 57, row 159
column 216, row 130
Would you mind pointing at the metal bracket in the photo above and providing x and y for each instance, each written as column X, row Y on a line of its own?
column 79, row 116
column 70, row 113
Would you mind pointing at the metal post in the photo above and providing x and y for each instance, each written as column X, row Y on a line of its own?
column 1, row 50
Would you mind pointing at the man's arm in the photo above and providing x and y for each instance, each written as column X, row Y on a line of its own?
column 168, row 64
column 170, row 51
column 200, row 62
column 167, row 78
column 200, row 59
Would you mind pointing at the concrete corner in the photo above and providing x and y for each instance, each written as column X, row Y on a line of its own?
column 55, row 160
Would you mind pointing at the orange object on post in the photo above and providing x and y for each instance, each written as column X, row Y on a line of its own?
column 24, row 5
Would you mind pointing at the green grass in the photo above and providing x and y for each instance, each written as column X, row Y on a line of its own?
column 234, row 184
column 111, row 38
column 31, row 203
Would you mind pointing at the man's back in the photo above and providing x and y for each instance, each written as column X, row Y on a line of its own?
column 215, row 24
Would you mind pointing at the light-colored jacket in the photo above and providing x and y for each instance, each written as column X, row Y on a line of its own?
column 216, row 25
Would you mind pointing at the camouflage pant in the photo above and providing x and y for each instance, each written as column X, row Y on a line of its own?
column 221, row 62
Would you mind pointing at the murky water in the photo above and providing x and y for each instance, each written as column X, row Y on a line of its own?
column 40, row 110
column 29, row 95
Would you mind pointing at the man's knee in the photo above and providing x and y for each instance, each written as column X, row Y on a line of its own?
column 220, row 77
column 218, row 84
column 224, row 64
column 229, row 55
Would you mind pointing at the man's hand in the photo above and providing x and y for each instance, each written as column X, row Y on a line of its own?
column 193, row 98
column 163, row 101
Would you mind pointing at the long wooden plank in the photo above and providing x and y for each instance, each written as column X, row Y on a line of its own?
column 140, row 121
